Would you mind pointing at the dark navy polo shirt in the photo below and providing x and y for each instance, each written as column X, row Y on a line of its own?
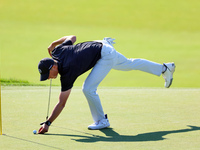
column 74, row 60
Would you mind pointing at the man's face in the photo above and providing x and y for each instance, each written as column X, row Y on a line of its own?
column 53, row 73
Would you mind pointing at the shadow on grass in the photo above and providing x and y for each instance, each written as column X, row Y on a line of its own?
column 25, row 140
column 112, row 136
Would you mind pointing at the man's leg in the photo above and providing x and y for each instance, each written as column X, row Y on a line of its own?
column 98, row 73
column 90, row 85
column 125, row 64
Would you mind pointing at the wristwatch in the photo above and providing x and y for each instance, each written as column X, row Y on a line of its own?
column 48, row 123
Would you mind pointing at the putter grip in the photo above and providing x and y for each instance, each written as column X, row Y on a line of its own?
column 42, row 123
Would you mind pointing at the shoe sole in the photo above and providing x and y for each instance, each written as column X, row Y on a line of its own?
column 170, row 83
column 98, row 128
column 173, row 64
column 90, row 128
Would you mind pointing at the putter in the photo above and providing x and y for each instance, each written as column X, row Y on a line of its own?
column 48, row 102
column 49, row 99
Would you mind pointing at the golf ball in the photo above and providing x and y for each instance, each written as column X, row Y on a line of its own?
column 34, row 131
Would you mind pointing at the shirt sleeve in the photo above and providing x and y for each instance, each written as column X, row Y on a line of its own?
column 58, row 49
column 66, row 83
column 67, row 42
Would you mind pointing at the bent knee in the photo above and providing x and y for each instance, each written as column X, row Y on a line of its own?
column 88, row 91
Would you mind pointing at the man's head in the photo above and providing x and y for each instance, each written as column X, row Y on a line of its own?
column 48, row 69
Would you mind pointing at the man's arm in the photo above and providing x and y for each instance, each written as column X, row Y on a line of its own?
column 57, row 110
column 60, row 41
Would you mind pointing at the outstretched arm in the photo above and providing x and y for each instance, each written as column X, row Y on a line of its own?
column 60, row 41
column 57, row 110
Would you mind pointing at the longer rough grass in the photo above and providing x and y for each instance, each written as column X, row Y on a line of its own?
column 160, row 31
column 144, row 118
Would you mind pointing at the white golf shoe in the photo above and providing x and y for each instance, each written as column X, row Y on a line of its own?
column 103, row 123
column 168, row 74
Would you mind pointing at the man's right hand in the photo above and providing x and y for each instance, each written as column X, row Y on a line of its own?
column 59, row 41
column 50, row 49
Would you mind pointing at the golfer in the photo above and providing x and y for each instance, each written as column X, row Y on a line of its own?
column 70, row 61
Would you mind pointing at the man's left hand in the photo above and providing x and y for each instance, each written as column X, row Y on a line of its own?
column 44, row 128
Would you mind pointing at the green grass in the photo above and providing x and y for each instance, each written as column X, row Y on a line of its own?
column 141, row 118
column 160, row 31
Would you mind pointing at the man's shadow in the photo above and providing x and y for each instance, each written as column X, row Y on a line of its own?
column 112, row 136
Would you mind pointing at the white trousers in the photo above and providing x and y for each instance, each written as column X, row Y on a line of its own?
column 111, row 59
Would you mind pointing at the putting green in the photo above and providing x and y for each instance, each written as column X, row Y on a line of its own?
column 141, row 118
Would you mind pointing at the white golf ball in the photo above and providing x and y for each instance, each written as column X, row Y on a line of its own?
column 34, row 131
